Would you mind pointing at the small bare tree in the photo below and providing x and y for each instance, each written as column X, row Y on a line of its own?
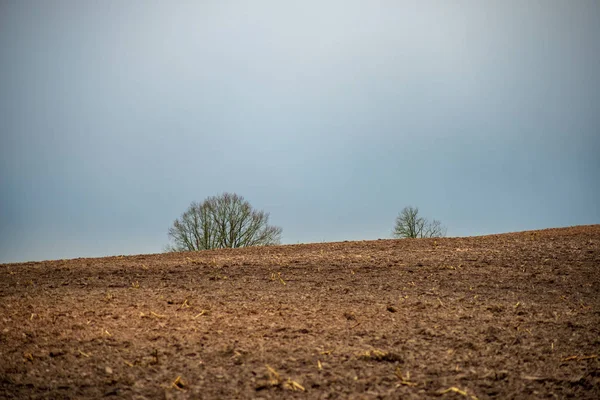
column 410, row 225
column 224, row 221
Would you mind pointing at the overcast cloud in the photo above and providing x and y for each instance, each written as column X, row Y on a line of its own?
column 330, row 115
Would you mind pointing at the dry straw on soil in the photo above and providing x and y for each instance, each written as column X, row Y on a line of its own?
column 514, row 315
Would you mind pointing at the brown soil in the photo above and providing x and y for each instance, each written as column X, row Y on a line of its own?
column 513, row 315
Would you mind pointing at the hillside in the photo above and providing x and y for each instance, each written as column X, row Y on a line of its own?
column 492, row 316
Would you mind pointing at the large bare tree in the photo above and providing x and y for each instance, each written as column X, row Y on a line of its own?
column 223, row 221
column 410, row 225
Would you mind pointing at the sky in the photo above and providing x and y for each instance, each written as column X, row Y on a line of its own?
column 330, row 115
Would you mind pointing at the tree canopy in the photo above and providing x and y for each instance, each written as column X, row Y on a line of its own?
column 410, row 225
column 224, row 221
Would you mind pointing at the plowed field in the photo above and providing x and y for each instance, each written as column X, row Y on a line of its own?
column 511, row 315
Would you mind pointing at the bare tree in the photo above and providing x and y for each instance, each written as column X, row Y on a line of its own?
column 224, row 221
column 410, row 225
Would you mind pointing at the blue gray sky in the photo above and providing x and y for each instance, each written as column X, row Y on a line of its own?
column 330, row 115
